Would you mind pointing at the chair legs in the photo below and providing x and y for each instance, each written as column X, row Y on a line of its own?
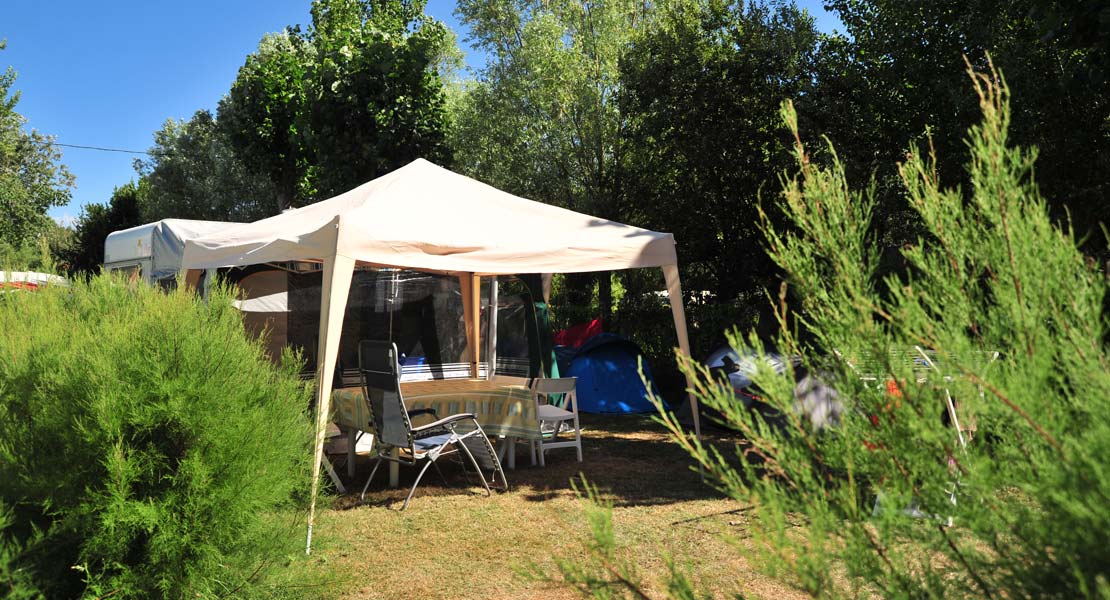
column 578, row 443
column 460, row 443
column 417, row 482
column 537, row 446
column 477, row 468
column 377, row 463
column 442, row 477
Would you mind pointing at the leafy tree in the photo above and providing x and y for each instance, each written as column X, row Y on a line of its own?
column 882, row 497
column 263, row 113
column 46, row 252
column 700, row 92
column 378, row 99
column 193, row 173
column 1082, row 25
column 357, row 95
column 896, row 76
column 543, row 119
column 122, row 211
column 32, row 180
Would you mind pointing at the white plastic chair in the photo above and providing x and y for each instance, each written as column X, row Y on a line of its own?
column 555, row 419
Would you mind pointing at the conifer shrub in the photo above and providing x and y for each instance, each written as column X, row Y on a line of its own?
column 999, row 312
column 148, row 448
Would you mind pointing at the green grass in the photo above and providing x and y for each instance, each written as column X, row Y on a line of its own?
column 453, row 542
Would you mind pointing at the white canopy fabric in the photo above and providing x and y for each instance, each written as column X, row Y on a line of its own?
column 426, row 218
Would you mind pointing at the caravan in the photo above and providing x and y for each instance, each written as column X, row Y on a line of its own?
column 152, row 252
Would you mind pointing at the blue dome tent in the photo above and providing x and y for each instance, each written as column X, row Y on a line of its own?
column 608, row 376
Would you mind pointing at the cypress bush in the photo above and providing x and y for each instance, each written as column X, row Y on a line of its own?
column 996, row 310
column 148, row 448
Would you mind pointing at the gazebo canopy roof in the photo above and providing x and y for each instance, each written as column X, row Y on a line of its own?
column 425, row 217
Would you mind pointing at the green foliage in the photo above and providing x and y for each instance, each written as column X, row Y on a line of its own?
column 15, row 581
column 661, row 115
column 357, row 95
column 700, row 91
column 86, row 255
column 42, row 253
column 543, row 120
column 890, row 503
column 148, row 448
column 897, row 74
column 1082, row 25
column 32, row 180
column 378, row 101
column 262, row 111
column 1015, row 514
column 193, row 173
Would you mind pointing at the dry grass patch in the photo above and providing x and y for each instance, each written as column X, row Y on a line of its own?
column 454, row 543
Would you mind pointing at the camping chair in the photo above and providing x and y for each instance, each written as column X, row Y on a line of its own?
column 396, row 439
column 554, row 418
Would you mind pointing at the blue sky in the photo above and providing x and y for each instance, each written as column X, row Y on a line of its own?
column 110, row 73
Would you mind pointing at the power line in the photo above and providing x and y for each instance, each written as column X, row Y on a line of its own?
column 48, row 142
column 102, row 149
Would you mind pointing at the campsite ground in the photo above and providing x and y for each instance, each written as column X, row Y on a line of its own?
column 454, row 543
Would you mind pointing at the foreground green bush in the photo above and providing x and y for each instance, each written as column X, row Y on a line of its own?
column 148, row 448
column 884, row 501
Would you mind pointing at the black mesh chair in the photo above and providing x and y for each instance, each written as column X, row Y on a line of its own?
column 392, row 424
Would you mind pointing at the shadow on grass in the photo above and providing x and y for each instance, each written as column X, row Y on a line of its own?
column 629, row 457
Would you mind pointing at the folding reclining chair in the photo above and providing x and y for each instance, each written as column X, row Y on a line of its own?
column 381, row 375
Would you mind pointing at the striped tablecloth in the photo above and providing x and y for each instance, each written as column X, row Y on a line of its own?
column 502, row 410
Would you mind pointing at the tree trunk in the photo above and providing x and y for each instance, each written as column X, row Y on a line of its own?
column 282, row 200
column 605, row 296
column 577, row 296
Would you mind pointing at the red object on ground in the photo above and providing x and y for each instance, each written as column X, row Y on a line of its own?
column 20, row 285
column 577, row 335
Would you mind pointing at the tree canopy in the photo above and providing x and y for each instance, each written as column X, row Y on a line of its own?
column 703, row 141
column 897, row 77
column 356, row 95
column 661, row 114
column 193, row 173
column 32, row 177
column 124, row 210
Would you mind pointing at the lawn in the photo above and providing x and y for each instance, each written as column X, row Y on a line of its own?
column 452, row 542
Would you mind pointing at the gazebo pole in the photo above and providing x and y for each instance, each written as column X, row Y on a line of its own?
column 334, row 290
column 471, row 287
column 674, row 292
column 475, row 318
column 491, row 354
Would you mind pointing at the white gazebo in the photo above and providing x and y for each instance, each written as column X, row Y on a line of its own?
column 425, row 218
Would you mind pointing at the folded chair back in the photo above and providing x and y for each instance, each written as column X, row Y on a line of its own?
column 381, row 375
column 547, row 387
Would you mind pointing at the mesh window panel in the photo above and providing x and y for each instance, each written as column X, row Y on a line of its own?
column 421, row 313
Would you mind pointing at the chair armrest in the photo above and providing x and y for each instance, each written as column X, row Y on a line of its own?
column 445, row 421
